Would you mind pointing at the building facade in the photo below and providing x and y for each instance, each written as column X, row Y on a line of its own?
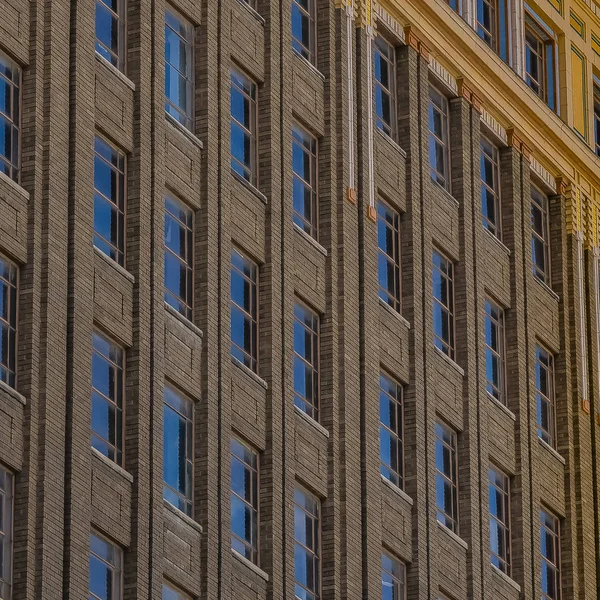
column 299, row 299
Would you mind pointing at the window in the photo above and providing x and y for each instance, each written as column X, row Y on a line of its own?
column 550, row 551
column 10, row 82
column 439, row 157
column 540, row 60
column 304, row 163
column 494, row 352
column 455, row 5
column 443, row 304
column 8, row 321
column 105, row 569
column 499, row 500
column 391, row 424
column 392, row 578
column 388, row 255
column 307, row 532
column 6, row 527
column 492, row 25
column 107, row 398
column 540, row 235
column 170, row 592
column 304, row 29
column 244, row 500
column 244, row 313
column 110, row 31
column 109, row 200
column 243, row 127
column 179, row 68
column 178, row 423
column 306, row 360
column 597, row 120
column 446, row 477
column 385, row 86
column 490, row 187
column 178, row 256
column 544, row 391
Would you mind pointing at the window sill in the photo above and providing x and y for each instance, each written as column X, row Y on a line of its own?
column 388, row 140
column 547, row 288
column 453, row 536
column 248, row 563
column 181, row 515
column 13, row 184
column 186, row 322
column 506, row 578
column 551, row 450
column 446, row 193
column 451, row 362
column 250, row 187
column 116, row 71
column 509, row 413
column 13, row 393
column 310, row 239
column 115, row 265
column 312, row 67
column 497, row 241
column 240, row 365
column 394, row 313
column 113, row 465
column 311, row 422
column 184, row 130
column 254, row 13
column 397, row 490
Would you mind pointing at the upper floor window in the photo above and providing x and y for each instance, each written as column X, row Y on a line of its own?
column 243, row 127
column 540, row 60
column 443, row 304
column 393, row 578
column 106, row 569
column 107, row 398
column 170, row 592
column 306, row 360
column 385, row 86
column 244, row 310
column 8, row 321
column 6, row 528
column 110, row 31
column 391, row 429
column 307, row 545
column 455, row 5
column 304, row 29
column 109, row 200
column 388, row 256
column 304, row 164
column 10, row 117
column 550, row 552
column 439, row 135
column 178, row 256
column 179, row 68
column 244, row 500
column 499, row 502
column 495, row 358
column 446, row 476
column 492, row 25
column 597, row 120
column 490, row 187
column 540, row 235
column 545, row 395
column 178, row 443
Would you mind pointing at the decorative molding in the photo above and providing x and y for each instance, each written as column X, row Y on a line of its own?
column 493, row 125
column 372, row 213
column 410, row 38
column 513, row 139
column 364, row 13
column 351, row 195
column 464, row 91
column 541, row 172
column 383, row 16
column 445, row 77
